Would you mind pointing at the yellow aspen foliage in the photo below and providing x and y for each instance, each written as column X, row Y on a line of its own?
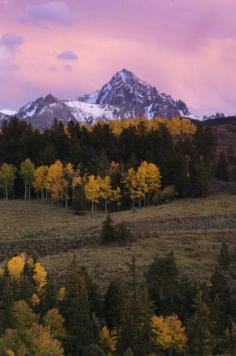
column 55, row 322
column 105, row 189
column 108, row 341
column 40, row 179
column 1, row 272
column 61, row 294
column 15, row 266
column 54, row 183
column 42, row 342
column 149, row 178
column 92, row 190
column 77, row 180
column 132, row 185
column 40, row 276
column 116, row 196
column 68, row 172
column 35, row 299
column 176, row 126
column 169, row 333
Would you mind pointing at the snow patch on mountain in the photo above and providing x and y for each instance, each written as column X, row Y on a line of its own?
column 124, row 96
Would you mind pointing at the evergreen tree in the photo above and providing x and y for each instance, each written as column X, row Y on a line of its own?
column 123, row 234
column 76, row 311
column 136, row 330
column 224, row 259
column 222, row 168
column 162, row 279
column 108, row 232
column 200, row 338
column 115, row 300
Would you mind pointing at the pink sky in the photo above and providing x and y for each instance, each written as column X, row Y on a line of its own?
column 186, row 48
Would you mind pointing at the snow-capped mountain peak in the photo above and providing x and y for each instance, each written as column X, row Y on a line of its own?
column 124, row 96
column 135, row 98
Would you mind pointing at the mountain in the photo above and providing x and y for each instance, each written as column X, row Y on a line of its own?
column 42, row 112
column 3, row 116
column 124, row 96
column 132, row 97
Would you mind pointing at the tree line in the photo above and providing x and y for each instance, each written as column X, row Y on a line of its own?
column 67, row 184
column 186, row 157
column 161, row 314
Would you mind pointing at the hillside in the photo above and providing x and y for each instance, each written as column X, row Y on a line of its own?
column 193, row 228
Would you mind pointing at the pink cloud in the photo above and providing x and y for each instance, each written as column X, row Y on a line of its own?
column 48, row 12
column 184, row 47
column 67, row 56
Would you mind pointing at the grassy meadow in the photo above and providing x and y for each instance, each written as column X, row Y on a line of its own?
column 193, row 228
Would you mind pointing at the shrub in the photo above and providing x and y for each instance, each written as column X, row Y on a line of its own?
column 123, row 234
column 111, row 233
column 165, row 195
column 108, row 233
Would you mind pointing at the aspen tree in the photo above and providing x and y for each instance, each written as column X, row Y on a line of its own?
column 105, row 189
column 27, row 170
column 7, row 177
column 40, row 181
column 116, row 197
column 92, row 191
column 54, row 182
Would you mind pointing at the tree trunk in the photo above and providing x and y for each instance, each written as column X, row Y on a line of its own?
column 140, row 203
column 6, row 191
column 106, row 206
column 66, row 198
column 25, row 196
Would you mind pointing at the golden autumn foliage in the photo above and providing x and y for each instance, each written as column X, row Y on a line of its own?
column 40, row 276
column 54, row 182
column 15, row 266
column 108, row 341
column 92, row 190
column 55, row 322
column 61, row 294
column 143, row 182
column 40, row 180
column 35, row 299
column 27, row 337
column 116, row 196
column 169, row 333
column 176, row 126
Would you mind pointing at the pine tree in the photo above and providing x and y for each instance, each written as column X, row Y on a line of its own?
column 199, row 329
column 76, row 310
column 162, row 279
column 115, row 299
column 222, row 168
column 224, row 259
column 123, row 234
column 136, row 330
column 108, row 232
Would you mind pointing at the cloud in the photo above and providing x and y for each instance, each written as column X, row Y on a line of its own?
column 12, row 41
column 52, row 68
column 51, row 12
column 68, row 67
column 8, row 44
column 67, row 56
